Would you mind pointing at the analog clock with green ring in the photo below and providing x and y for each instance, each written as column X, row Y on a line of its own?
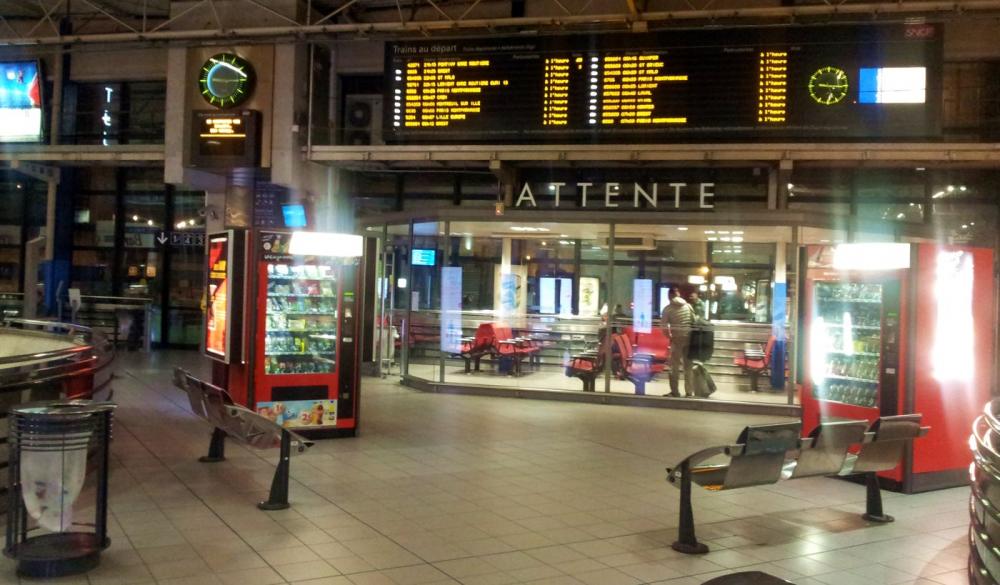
column 226, row 80
column 828, row 86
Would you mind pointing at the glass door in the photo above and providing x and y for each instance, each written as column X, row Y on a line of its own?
column 301, row 327
column 846, row 343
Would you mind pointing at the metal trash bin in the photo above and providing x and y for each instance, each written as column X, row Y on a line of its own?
column 52, row 530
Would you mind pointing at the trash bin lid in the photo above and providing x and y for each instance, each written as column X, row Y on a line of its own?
column 748, row 578
column 61, row 408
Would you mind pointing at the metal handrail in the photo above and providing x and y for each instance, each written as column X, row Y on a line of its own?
column 96, row 348
column 984, row 556
column 45, row 355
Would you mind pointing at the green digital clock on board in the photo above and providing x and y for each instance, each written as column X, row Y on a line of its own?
column 226, row 80
column 828, row 86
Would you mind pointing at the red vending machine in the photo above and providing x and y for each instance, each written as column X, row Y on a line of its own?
column 305, row 361
column 898, row 329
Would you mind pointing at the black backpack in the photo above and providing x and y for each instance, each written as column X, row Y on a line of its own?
column 702, row 341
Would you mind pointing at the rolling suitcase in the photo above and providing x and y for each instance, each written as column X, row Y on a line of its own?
column 701, row 380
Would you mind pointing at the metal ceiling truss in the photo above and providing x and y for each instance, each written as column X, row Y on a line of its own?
column 136, row 26
column 983, row 155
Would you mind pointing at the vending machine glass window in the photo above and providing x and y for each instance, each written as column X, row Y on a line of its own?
column 846, row 343
column 301, row 330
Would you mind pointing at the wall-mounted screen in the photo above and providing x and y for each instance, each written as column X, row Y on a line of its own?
column 423, row 257
column 810, row 82
column 294, row 215
column 20, row 102
column 225, row 140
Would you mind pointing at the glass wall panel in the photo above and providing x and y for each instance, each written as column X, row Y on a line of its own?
column 93, row 271
column 187, row 272
column 421, row 262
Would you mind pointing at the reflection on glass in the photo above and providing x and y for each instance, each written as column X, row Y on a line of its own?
column 845, row 344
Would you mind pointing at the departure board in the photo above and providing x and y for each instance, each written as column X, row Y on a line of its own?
column 802, row 82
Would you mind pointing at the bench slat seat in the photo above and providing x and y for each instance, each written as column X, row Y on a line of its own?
column 215, row 405
column 766, row 454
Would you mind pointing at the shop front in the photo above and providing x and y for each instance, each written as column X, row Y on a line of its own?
column 529, row 297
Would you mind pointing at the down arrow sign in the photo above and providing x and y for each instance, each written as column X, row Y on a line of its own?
column 162, row 238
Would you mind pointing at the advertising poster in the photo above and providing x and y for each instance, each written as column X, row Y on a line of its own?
column 589, row 296
column 295, row 414
column 547, row 295
column 217, row 319
column 642, row 298
column 20, row 102
column 510, row 296
column 451, row 309
column 565, row 296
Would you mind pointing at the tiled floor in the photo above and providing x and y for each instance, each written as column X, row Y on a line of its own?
column 462, row 489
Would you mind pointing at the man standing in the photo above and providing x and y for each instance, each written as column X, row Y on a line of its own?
column 677, row 319
column 697, row 304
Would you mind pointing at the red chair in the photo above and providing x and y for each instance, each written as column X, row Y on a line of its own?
column 654, row 343
column 474, row 348
column 629, row 364
column 587, row 366
column 755, row 361
column 506, row 346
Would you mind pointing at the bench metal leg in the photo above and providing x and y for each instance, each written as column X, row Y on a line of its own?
column 873, row 501
column 686, row 541
column 277, row 499
column 754, row 377
column 216, row 448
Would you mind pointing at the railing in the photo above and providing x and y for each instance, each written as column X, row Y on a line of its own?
column 11, row 304
column 123, row 320
column 55, row 361
column 984, row 529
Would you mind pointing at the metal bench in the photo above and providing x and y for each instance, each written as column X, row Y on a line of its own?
column 766, row 454
column 216, row 406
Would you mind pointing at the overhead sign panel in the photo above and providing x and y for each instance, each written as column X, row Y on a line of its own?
column 821, row 83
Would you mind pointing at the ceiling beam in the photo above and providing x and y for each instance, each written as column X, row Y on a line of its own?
column 897, row 9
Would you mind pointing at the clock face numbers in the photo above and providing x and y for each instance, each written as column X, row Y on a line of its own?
column 828, row 86
column 226, row 80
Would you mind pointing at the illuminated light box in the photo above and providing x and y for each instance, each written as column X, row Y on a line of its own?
column 892, row 85
column 325, row 244
column 874, row 256
column 423, row 257
column 294, row 215
column 20, row 102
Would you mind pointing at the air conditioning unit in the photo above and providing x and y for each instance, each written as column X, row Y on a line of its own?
column 362, row 119
column 629, row 242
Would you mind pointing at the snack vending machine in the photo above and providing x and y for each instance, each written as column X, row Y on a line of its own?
column 305, row 370
column 898, row 329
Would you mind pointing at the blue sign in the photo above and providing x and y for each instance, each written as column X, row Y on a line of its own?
column 423, row 257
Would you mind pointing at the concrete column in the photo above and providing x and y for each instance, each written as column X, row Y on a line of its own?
column 175, row 119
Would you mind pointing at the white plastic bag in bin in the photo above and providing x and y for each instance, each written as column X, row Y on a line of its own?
column 51, row 482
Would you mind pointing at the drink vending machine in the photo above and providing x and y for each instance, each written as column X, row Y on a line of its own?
column 897, row 329
column 300, row 368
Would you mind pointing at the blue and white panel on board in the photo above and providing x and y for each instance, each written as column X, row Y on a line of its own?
column 892, row 85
